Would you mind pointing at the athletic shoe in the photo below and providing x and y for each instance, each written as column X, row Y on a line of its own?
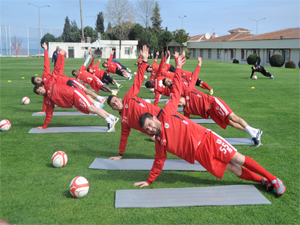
column 103, row 99
column 111, row 126
column 152, row 89
column 97, row 105
column 128, row 70
column 119, row 86
column 152, row 138
column 256, row 142
column 129, row 77
column 114, row 93
column 267, row 184
column 271, row 77
column 211, row 92
column 116, row 120
column 278, row 185
column 258, row 135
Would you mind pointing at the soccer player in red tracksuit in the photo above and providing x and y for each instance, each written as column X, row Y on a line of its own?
column 132, row 106
column 184, row 138
column 59, row 77
column 101, row 74
column 86, row 77
column 195, row 102
column 115, row 68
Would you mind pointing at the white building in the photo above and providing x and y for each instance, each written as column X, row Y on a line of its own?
column 77, row 50
column 239, row 43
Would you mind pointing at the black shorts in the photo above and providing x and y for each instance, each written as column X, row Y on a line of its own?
column 107, row 79
column 119, row 72
column 71, row 84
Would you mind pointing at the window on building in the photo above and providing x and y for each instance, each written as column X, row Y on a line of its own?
column 244, row 54
column 201, row 53
column 218, row 53
column 255, row 51
column 209, row 53
column 232, row 53
column 286, row 54
column 270, row 52
column 194, row 53
column 127, row 50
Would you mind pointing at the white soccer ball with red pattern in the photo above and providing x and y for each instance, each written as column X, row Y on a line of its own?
column 135, row 73
column 254, row 77
column 59, row 159
column 25, row 101
column 5, row 125
column 79, row 187
column 145, row 76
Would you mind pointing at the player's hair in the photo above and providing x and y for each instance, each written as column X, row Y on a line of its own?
column 104, row 65
column 148, row 68
column 73, row 72
column 109, row 99
column 88, row 69
column 143, row 118
column 164, row 80
column 33, row 81
column 148, row 84
column 37, row 86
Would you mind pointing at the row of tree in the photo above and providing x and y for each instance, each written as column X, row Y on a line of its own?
column 121, row 17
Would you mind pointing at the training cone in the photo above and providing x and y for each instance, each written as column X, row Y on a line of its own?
column 252, row 87
column 9, row 81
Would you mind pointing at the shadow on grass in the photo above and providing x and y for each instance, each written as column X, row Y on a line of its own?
column 67, row 194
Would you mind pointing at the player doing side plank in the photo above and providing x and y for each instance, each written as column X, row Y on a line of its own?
column 182, row 137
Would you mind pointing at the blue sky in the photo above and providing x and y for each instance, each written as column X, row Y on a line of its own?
column 201, row 15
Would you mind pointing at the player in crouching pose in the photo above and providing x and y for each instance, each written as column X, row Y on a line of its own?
column 66, row 97
column 261, row 69
column 112, row 67
column 132, row 106
column 182, row 137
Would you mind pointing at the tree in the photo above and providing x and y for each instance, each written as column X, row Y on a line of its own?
column 66, row 35
column 48, row 38
column 135, row 34
column 16, row 41
column 120, row 13
column 100, row 23
column 156, row 19
column 144, row 11
column 180, row 37
column 90, row 32
column 164, row 38
column 76, row 36
column 74, row 27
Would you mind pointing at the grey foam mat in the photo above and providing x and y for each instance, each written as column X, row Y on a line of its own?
column 161, row 100
column 240, row 141
column 144, row 164
column 81, row 129
column 70, row 113
column 197, row 196
column 203, row 120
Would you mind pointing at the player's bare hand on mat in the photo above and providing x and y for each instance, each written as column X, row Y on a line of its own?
column 116, row 157
column 141, row 184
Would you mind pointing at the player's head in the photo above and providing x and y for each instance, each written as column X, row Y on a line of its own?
column 149, row 84
column 149, row 68
column 90, row 70
column 181, row 102
column 104, row 65
column 39, row 89
column 168, row 82
column 115, row 103
column 75, row 73
column 150, row 124
column 36, row 80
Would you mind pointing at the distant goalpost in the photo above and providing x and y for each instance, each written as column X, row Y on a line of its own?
column 19, row 51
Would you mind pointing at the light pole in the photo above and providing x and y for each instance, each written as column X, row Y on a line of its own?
column 182, row 19
column 39, row 22
column 257, row 23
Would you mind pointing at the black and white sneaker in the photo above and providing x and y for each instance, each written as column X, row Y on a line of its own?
column 271, row 77
column 111, row 127
column 256, row 142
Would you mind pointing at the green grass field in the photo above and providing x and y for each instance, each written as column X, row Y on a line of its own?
column 34, row 192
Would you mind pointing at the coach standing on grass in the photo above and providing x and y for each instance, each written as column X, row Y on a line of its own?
column 55, row 54
column 184, row 138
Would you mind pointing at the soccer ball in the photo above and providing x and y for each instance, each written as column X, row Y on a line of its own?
column 135, row 73
column 5, row 125
column 59, row 159
column 25, row 101
column 79, row 187
column 255, row 77
column 145, row 76
column 148, row 100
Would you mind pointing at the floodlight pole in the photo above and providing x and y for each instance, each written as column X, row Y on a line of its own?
column 182, row 20
column 39, row 7
column 257, row 23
